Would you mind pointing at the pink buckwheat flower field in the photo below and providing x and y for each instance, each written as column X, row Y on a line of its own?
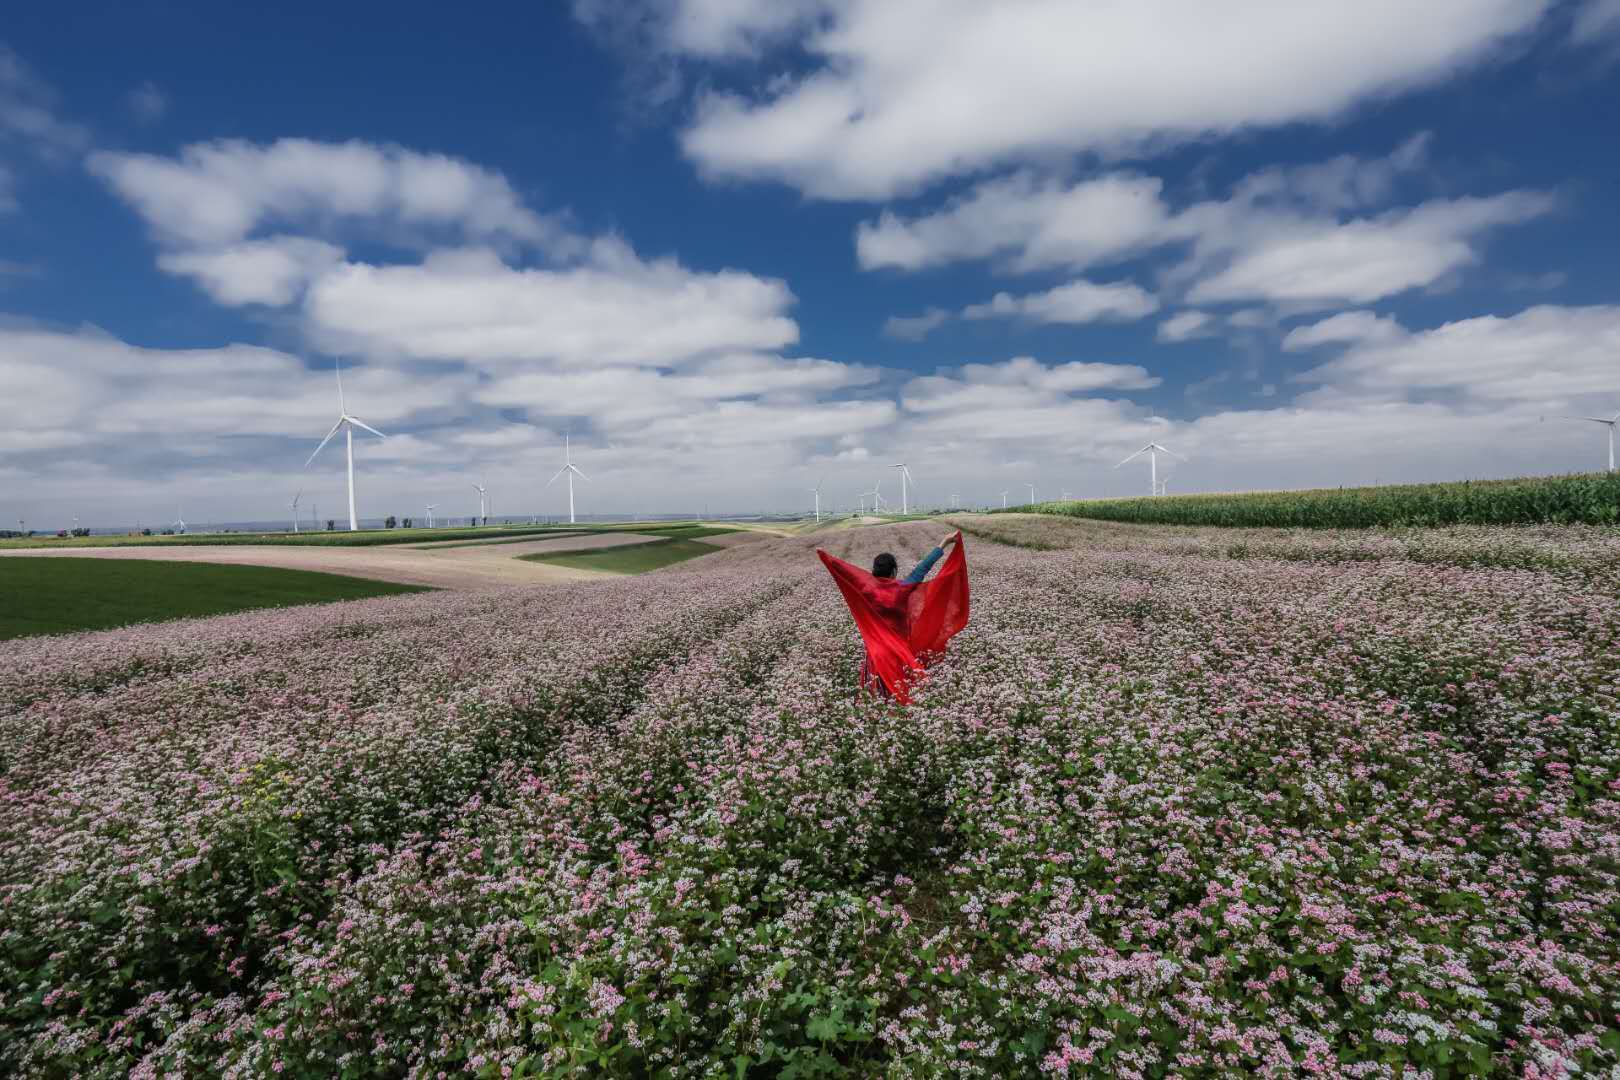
column 1178, row 801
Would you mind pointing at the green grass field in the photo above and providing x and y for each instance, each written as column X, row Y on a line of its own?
column 1579, row 498
column 632, row 558
column 368, row 537
column 60, row 596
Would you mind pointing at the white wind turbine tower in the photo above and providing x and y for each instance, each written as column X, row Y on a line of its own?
column 570, row 470
column 483, row 510
column 348, row 424
column 1004, row 500
column 179, row 522
column 816, row 491
column 877, row 496
column 294, row 508
column 1152, row 450
column 905, row 480
column 1609, row 423
column 1031, row 493
column 430, row 515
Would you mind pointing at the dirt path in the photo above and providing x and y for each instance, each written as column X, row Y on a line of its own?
column 494, row 566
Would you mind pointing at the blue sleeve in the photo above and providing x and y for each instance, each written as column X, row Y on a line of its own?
column 923, row 567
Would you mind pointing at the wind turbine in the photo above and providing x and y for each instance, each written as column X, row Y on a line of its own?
column 816, row 491
column 179, row 522
column 570, row 469
column 1152, row 450
column 430, row 515
column 1610, row 423
column 905, row 479
column 1004, row 500
column 955, row 501
column 294, row 508
column 877, row 496
column 1031, row 493
column 348, row 424
column 483, row 512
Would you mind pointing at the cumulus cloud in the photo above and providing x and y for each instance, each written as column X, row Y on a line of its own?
column 900, row 93
column 1547, row 355
column 1345, row 328
column 1321, row 262
column 1301, row 236
column 616, row 308
column 217, row 194
column 1028, row 222
column 1074, row 303
column 271, row 271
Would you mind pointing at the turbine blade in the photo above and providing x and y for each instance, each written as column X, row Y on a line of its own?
column 582, row 476
column 324, row 441
column 1133, row 457
column 368, row 427
column 560, row 473
column 1594, row 419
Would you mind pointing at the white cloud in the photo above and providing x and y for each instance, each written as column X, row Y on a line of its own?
column 1324, row 262
column 1281, row 236
column 92, row 384
column 1187, row 325
column 217, row 194
column 1543, row 356
column 147, row 103
column 915, row 327
column 1075, row 303
column 615, row 309
column 1345, row 328
column 272, row 271
column 901, row 93
column 1031, row 223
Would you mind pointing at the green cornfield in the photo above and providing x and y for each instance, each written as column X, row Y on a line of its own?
column 1579, row 498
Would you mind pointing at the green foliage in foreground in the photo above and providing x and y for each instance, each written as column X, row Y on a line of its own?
column 631, row 558
column 1579, row 498
column 59, row 596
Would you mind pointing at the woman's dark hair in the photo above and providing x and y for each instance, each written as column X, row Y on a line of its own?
column 884, row 565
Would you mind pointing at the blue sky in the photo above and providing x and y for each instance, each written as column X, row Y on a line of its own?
column 736, row 246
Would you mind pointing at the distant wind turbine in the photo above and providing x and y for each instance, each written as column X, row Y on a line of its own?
column 348, row 424
column 294, row 508
column 1004, row 500
column 430, row 515
column 179, row 522
column 1609, row 423
column 1031, row 493
column 877, row 496
column 1152, row 450
column 570, row 470
column 483, row 511
column 905, row 481
column 816, row 491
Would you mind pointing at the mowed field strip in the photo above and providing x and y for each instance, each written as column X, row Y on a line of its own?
column 462, row 568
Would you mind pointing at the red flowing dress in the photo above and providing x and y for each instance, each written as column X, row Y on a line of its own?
column 903, row 625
